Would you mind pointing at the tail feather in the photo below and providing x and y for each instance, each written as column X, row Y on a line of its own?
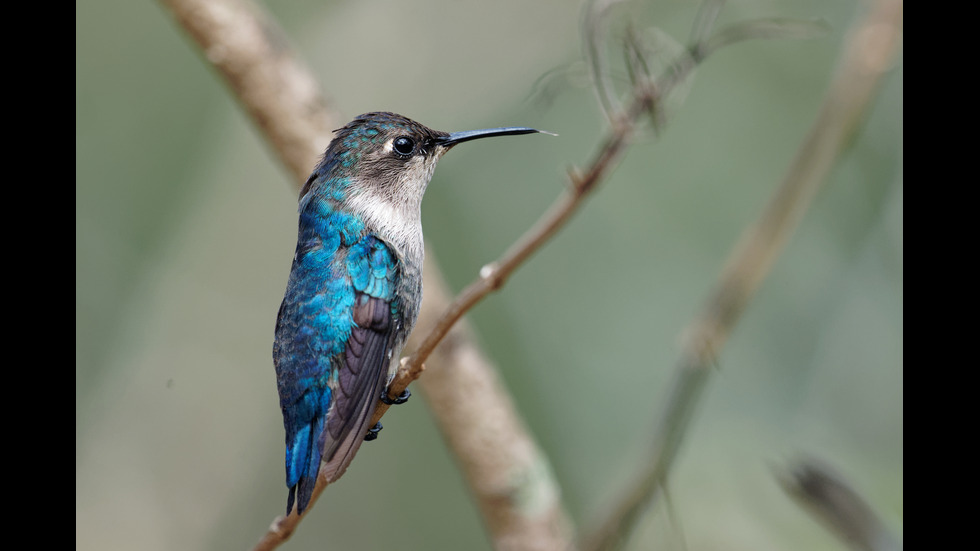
column 302, row 466
column 289, row 501
column 297, row 455
column 303, row 451
column 307, row 482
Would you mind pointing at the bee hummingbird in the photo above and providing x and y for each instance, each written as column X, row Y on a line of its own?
column 355, row 287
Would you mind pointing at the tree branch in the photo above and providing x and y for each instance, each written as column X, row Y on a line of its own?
column 867, row 54
column 494, row 275
column 519, row 499
column 262, row 71
column 509, row 477
column 644, row 98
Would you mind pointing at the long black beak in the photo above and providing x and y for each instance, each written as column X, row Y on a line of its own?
column 460, row 137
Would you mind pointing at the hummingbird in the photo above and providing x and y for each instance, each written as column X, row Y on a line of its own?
column 354, row 289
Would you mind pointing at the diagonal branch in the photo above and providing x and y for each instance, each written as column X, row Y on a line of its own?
column 645, row 97
column 494, row 275
column 265, row 75
column 867, row 55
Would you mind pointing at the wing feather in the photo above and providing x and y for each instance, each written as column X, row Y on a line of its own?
column 361, row 380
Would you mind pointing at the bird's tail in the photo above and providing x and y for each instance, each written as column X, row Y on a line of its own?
column 303, row 454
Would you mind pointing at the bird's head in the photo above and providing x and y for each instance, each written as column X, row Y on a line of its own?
column 380, row 164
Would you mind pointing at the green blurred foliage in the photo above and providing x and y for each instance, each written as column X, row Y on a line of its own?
column 185, row 227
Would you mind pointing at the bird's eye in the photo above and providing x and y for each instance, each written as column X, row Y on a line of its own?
column 403, row 145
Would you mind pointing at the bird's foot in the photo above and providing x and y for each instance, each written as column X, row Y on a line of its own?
column 402, row 398
column 372, row 433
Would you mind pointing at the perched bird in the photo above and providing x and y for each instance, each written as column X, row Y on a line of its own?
column 355, row 287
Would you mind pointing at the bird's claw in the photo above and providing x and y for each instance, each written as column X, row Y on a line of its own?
column 372, row 433
column 402, row 398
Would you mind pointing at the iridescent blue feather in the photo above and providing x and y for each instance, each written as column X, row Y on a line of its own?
column 328, row 364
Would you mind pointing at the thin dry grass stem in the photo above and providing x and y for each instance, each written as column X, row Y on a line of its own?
column 832, row 501
column 767, row 28
column 596, row 14
column 867, row 54
column 704, row 21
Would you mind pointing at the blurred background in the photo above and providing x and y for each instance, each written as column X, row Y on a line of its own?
column 186, row 225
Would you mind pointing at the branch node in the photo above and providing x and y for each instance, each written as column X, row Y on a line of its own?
column 490, row 273
column 274, row 527
column 404, row 367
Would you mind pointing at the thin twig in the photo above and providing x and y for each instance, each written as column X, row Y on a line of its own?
column 867, row 55
column 704, row 21
column 645, row 96
column 768, row 28
column 828, row 497
column 494, row 275
column 596, row 14
column 281, row 95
